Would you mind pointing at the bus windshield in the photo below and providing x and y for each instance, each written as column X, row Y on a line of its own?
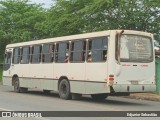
column 136, row 48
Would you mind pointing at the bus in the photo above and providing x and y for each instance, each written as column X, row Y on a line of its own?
column 100, row 64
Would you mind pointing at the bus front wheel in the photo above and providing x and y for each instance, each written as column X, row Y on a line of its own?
column 17, row 88
column 99, row 96
column 64, row 90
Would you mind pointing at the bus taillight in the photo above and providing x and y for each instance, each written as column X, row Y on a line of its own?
column 111, row 77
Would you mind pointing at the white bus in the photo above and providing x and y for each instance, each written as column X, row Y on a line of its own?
column 99, row 63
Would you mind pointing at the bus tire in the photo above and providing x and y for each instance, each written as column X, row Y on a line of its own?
column 17, row 88
column 99, row 96
column 64, row 89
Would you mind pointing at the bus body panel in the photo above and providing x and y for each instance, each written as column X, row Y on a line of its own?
column 135, row 77
column 95, row 74
column 143, row 73
column 40, row 83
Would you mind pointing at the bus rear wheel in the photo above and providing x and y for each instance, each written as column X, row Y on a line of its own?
column 99, row 96
column 64, row 89
column 17, row 88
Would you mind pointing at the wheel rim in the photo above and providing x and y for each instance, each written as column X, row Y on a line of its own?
column 64, row 89
column 16, row 85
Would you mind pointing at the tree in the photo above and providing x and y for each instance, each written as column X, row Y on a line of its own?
column 140, row 15
column 65, row 18
column 77, row 16
column 19, row 21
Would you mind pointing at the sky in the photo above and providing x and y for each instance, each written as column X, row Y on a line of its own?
column 47, row 3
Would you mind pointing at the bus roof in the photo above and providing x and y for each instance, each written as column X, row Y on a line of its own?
column 71, row 37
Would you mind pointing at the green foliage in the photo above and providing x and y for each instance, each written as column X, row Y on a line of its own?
column 1, row 72
column 65, row 18
column 18, row 22
column 21, row 21
column 77, row 16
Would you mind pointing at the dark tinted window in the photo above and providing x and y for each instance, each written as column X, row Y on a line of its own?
column 78, row 51
column 96, row 44
column 25, row 55
column 16, row 56
column 97, row 49
column 7, row 61
column 48, row 53
column 36, row 54
column 7, row 58
column 62, row 52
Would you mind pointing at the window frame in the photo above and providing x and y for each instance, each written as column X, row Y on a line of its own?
column 103, row 55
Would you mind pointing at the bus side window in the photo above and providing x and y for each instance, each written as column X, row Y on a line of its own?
column 25, row 55
column 78, row 51
column 97, row 49
column 48, row 53
column 62, row 52
column 7, row 61
column 36, row 54
column 16, row 56
column 7, row 58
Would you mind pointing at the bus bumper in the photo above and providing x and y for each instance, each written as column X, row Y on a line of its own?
column 134, row 88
